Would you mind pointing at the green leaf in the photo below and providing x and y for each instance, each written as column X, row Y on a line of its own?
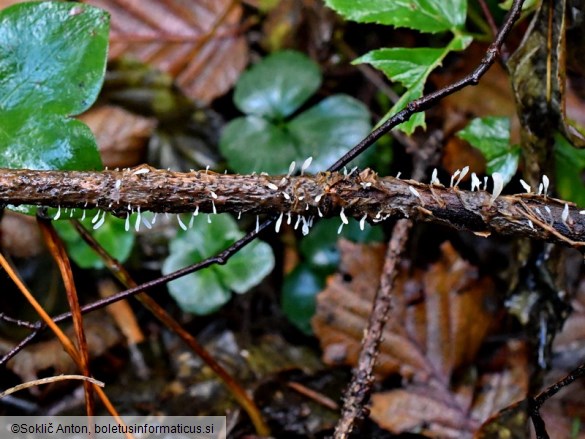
column 570, row 165
column 254, row 144
column 422, row 15
column 325, row 132
column 491, row 135
column 411, row 68
column 298, row 296
column 205, row 291
column 329, row 129
column 112, row 236
column 278, row 85
column 52, row 65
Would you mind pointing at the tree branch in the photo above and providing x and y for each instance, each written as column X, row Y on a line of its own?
column 362, row 195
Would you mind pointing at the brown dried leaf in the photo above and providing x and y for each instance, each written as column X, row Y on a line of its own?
column 197, row 42
column 121, row 135
column 441, row 410
column 438, row 320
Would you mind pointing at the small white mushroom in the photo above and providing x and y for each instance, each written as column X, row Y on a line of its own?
column 343, row 217
column 278, row 223
column 291, row 168
column 127, row 223
column 434, row 179
column 455, row 174
column 565, row 214
column 526, row 186
column 363, row 222
column 298, row 221
column 306, row 164
column 96, row 217
column 83, row 215
column 305, row 228
column 181, row 223
column 545, row 183
column 398, row 175
column 138, row 217
column 100, row 222
column 208, row 219
column 213, row 207
column 340, row 228
column 498, row 186
column 142, row 171
column 272, row 186
column 257, row 224
column 318, row 198
column 530, row 224
column 414, row 192
column 540, row 189
column 58, row 214
column 213, row 195
column 464, row 172
column 475, row 182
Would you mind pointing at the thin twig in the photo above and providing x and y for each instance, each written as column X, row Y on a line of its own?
column 49, row 380
column 57, row 250
column 120, row 272
column 358, row 392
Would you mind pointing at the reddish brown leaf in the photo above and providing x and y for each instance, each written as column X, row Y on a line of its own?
column 441, row 410
column 438, row 321
column 121, row 135
column 197, row 42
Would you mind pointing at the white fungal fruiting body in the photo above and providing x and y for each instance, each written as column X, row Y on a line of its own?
column 58, row 214
column 526, row 186
column 141, row 171
column 414, row 192
column 278, row 223
column 464, row 172
column 565, row 214
column 291, row 168
column 343, row 217
column 306, row 164
column 100, row 222
column 213, row 195
column 545, row 183
column 434, row 176
column 181, row 223
column 363, row 222
column 498, row 186
column 272, row 186
column 475, row 182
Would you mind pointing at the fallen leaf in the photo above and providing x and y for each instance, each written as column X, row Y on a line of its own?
column 445, row 410
column 198, row 43
column 121, row 136
column 439, row 318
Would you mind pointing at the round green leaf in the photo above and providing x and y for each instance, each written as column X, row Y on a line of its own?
column 112, row 236
column 52, row 64
column 298, row 296
column 329, row 129
column 254, row 144
column 52, row 57
column 278, row 85
column 207, row 290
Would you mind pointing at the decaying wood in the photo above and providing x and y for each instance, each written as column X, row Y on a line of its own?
column 326, row 194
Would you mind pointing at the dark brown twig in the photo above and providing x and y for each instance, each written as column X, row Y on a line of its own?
column 358, row 392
